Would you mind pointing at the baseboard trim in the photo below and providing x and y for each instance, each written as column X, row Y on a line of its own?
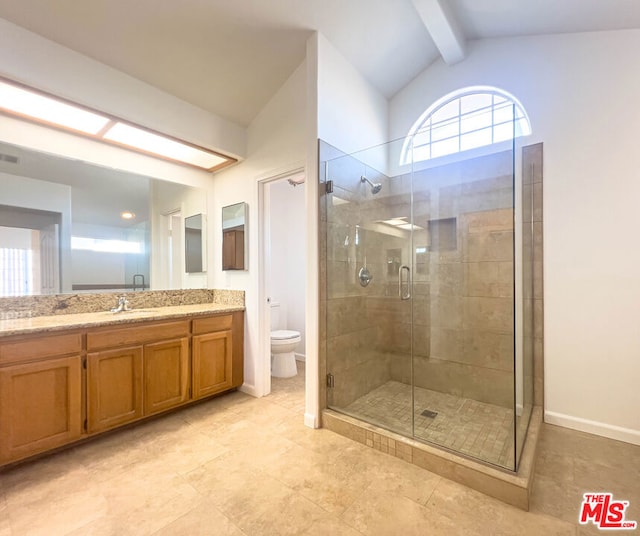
column 249, row 389
column 310, row 420
column 301, row 357
column 628, row 435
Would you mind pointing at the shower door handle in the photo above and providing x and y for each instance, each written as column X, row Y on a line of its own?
column 404, row 294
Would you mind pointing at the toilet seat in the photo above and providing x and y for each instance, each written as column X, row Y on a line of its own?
column 284, row 334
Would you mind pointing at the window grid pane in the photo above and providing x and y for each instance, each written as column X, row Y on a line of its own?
column 476, row 120
column 466, row 122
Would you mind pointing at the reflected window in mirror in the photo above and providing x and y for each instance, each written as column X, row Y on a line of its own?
column 234, row 232
column 29, row 251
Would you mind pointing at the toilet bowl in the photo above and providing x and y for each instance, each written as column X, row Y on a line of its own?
column 283, row 345
column 283, row 358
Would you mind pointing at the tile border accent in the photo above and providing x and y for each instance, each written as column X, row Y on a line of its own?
column 511, row 488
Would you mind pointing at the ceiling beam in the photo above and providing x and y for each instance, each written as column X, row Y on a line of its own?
column 443, row 27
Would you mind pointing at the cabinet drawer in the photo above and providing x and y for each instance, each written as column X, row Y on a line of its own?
column 112, row 338
column 40, row 347
column 212, row 323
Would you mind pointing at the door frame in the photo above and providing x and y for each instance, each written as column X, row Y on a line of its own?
column 263, row 370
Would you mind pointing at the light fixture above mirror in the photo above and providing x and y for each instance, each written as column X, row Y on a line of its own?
column 34, row 105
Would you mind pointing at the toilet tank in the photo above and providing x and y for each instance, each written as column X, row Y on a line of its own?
column 275, row 315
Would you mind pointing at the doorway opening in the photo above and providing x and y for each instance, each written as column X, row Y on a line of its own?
column 283, row 283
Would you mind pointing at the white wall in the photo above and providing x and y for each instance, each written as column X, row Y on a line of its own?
column 352, row 114
column 580, row 91
column 288, row 260
column 276, row 145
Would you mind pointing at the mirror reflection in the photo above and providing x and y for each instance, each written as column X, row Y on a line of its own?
column 194, row 243
column 234, row 246
column 69, row 226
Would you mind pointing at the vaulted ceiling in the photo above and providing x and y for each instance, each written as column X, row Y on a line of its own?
column 230, row 57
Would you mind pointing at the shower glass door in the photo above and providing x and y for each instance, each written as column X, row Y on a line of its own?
column 366, row 216
column 463, row 306
column 420, row 297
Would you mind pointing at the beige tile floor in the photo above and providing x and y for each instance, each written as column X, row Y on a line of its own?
column 238, row 465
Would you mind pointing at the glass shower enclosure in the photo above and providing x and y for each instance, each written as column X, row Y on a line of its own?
column 425, row 280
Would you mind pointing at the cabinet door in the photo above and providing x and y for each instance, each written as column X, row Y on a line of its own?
column 114, row 387
column 40, row 406
column 212, row 355
column 166, row 375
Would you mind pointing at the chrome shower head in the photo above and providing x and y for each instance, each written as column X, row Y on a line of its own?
column 375, row 188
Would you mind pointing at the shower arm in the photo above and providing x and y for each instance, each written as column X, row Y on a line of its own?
column 375, row 187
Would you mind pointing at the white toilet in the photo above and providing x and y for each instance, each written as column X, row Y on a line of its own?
column 283, row 344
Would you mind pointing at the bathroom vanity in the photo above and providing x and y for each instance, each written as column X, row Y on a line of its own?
column 66, row 378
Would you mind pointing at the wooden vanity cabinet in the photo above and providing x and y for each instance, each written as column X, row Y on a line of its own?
column 148, row 375
column 114, row 388
column 217, row 348
column 166, row 375
column 40, row 394
column 48, row 400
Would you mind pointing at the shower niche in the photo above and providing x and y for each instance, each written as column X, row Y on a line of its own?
column 438, row 348
column 442, row 235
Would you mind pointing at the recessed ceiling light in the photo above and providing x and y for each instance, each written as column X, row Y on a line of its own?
column 126, row 215
column 49, row 110
column 161, row 146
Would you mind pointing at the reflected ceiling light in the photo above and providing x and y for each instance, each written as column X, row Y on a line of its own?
column 409, row 227
column 395, row 221
column 401, row 223
column 27, row 103
column 127, row 215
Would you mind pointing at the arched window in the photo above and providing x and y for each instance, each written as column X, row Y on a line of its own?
column 465, row 119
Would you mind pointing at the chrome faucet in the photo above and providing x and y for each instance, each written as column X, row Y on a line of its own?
column 123, row 305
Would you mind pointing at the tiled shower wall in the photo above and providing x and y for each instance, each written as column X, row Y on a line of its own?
column 532, row 176
column 463, row 286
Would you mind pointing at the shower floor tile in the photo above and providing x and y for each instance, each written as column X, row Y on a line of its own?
column 473, row 428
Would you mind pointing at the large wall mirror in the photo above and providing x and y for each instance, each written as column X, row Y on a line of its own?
column 234, row 233
column 69, row 226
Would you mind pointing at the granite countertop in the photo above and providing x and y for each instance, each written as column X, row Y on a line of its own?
column 39, row 324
